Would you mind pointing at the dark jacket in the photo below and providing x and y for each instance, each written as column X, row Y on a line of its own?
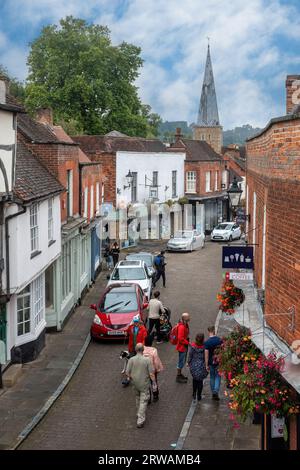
column 196, row 362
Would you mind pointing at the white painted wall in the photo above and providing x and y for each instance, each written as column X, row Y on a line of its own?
column 7, row 137
column 144, row 163
column 23, row 268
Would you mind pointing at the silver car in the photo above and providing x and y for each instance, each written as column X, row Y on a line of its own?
column 148, row 259
column 186, row 240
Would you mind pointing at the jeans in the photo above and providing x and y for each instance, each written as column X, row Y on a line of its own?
column 156, row 322
column 181, row 359
column 157, row 277
column 215, row 379
column 197, row 388
column 141, row 399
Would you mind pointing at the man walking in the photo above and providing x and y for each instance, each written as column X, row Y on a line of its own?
column 140, row 372
column 155, row 308
column 160, row 265
column 211, row 365
column 182, row 345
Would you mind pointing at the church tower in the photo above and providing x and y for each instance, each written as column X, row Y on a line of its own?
column 208, row 126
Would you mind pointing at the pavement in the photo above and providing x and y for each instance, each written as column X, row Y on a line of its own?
column 210, row 428
column 92, row 410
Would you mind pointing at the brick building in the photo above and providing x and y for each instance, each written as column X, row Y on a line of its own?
column 235, row 158
column 273, row 203
column 206, row 180
column 73, row 272
column 151, row 165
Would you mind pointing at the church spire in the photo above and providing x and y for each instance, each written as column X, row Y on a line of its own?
column 208, row 109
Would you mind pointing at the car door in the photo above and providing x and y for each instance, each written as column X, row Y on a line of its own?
column 236, row 231
column 195, row 242
column 142, row 301
column 149, row 278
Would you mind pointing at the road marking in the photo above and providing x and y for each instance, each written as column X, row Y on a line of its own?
column 44, row 410
column 189, row 416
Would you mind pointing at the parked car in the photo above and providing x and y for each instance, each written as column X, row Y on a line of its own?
column 148, row 258
column 116, row 309
column 186, row 240
column 128, row 271
column 226, row 231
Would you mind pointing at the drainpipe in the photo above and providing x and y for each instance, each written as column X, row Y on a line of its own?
column 7, row 219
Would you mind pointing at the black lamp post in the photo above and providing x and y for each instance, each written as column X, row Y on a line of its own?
column 129, row 178
column 234, row 194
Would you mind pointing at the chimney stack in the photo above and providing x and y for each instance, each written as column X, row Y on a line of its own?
column 44, row 116
column 178, row 135
column 4, row 88
column 292, row 86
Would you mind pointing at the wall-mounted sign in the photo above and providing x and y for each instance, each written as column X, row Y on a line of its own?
column 240, row 276
column 238, row 257
column 277, row 426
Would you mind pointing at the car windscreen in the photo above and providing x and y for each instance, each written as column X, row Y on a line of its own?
column 183, row 234
column 223, row 227
column 146, row 258
column 128, row 274
column 122, row 302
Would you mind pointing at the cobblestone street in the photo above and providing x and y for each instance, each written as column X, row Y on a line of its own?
column 95, row 412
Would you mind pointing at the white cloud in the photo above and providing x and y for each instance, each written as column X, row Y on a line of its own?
column 248, row 57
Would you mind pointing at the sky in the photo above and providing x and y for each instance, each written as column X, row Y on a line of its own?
column 254, row 45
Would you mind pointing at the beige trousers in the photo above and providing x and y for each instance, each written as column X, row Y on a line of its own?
column 141, row 400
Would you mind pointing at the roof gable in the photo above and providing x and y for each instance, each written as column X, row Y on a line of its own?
column 33, row 180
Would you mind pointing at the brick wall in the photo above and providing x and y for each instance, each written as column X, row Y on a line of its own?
column 108, row 171
column 91, row 175
column 273, row 173
column 201, row 168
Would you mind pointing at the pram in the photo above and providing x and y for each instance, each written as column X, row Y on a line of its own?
column 165, row 324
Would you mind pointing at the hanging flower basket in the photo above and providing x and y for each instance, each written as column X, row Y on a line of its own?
column 255, row 381
column 230, row 297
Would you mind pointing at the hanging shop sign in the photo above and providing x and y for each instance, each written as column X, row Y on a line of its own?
column 237, row 257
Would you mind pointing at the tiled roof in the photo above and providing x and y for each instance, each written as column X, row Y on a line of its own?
column 63, row 136
column 33, row 180
column 35, row 131
column 198, row 150
column 111, row 144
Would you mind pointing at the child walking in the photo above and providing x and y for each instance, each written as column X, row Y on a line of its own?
column 196, row 363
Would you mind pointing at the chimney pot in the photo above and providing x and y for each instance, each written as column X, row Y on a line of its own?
column 44, row 116
column 292, row 86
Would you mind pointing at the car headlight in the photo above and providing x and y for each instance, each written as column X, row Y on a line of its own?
column 97, row 320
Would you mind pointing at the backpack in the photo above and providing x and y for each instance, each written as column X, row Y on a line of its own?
column 157, row 261
column 173, row 338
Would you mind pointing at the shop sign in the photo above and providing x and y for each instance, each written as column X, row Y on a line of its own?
column 237, row 257
column 277, row 426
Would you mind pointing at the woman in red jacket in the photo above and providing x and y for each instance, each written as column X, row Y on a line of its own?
column 182, row 345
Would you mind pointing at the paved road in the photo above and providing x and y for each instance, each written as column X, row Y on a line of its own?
column 95, row 412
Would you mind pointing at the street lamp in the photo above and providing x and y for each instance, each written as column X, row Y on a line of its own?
column 129, row 178
column 234, row 194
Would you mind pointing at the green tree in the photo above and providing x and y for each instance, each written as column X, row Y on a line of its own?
column 16, row 87
column 75, row 69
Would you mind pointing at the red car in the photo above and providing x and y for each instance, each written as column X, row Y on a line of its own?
column 116, row 309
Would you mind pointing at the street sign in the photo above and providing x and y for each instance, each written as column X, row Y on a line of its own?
column 241, row 276
column 237, row 257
